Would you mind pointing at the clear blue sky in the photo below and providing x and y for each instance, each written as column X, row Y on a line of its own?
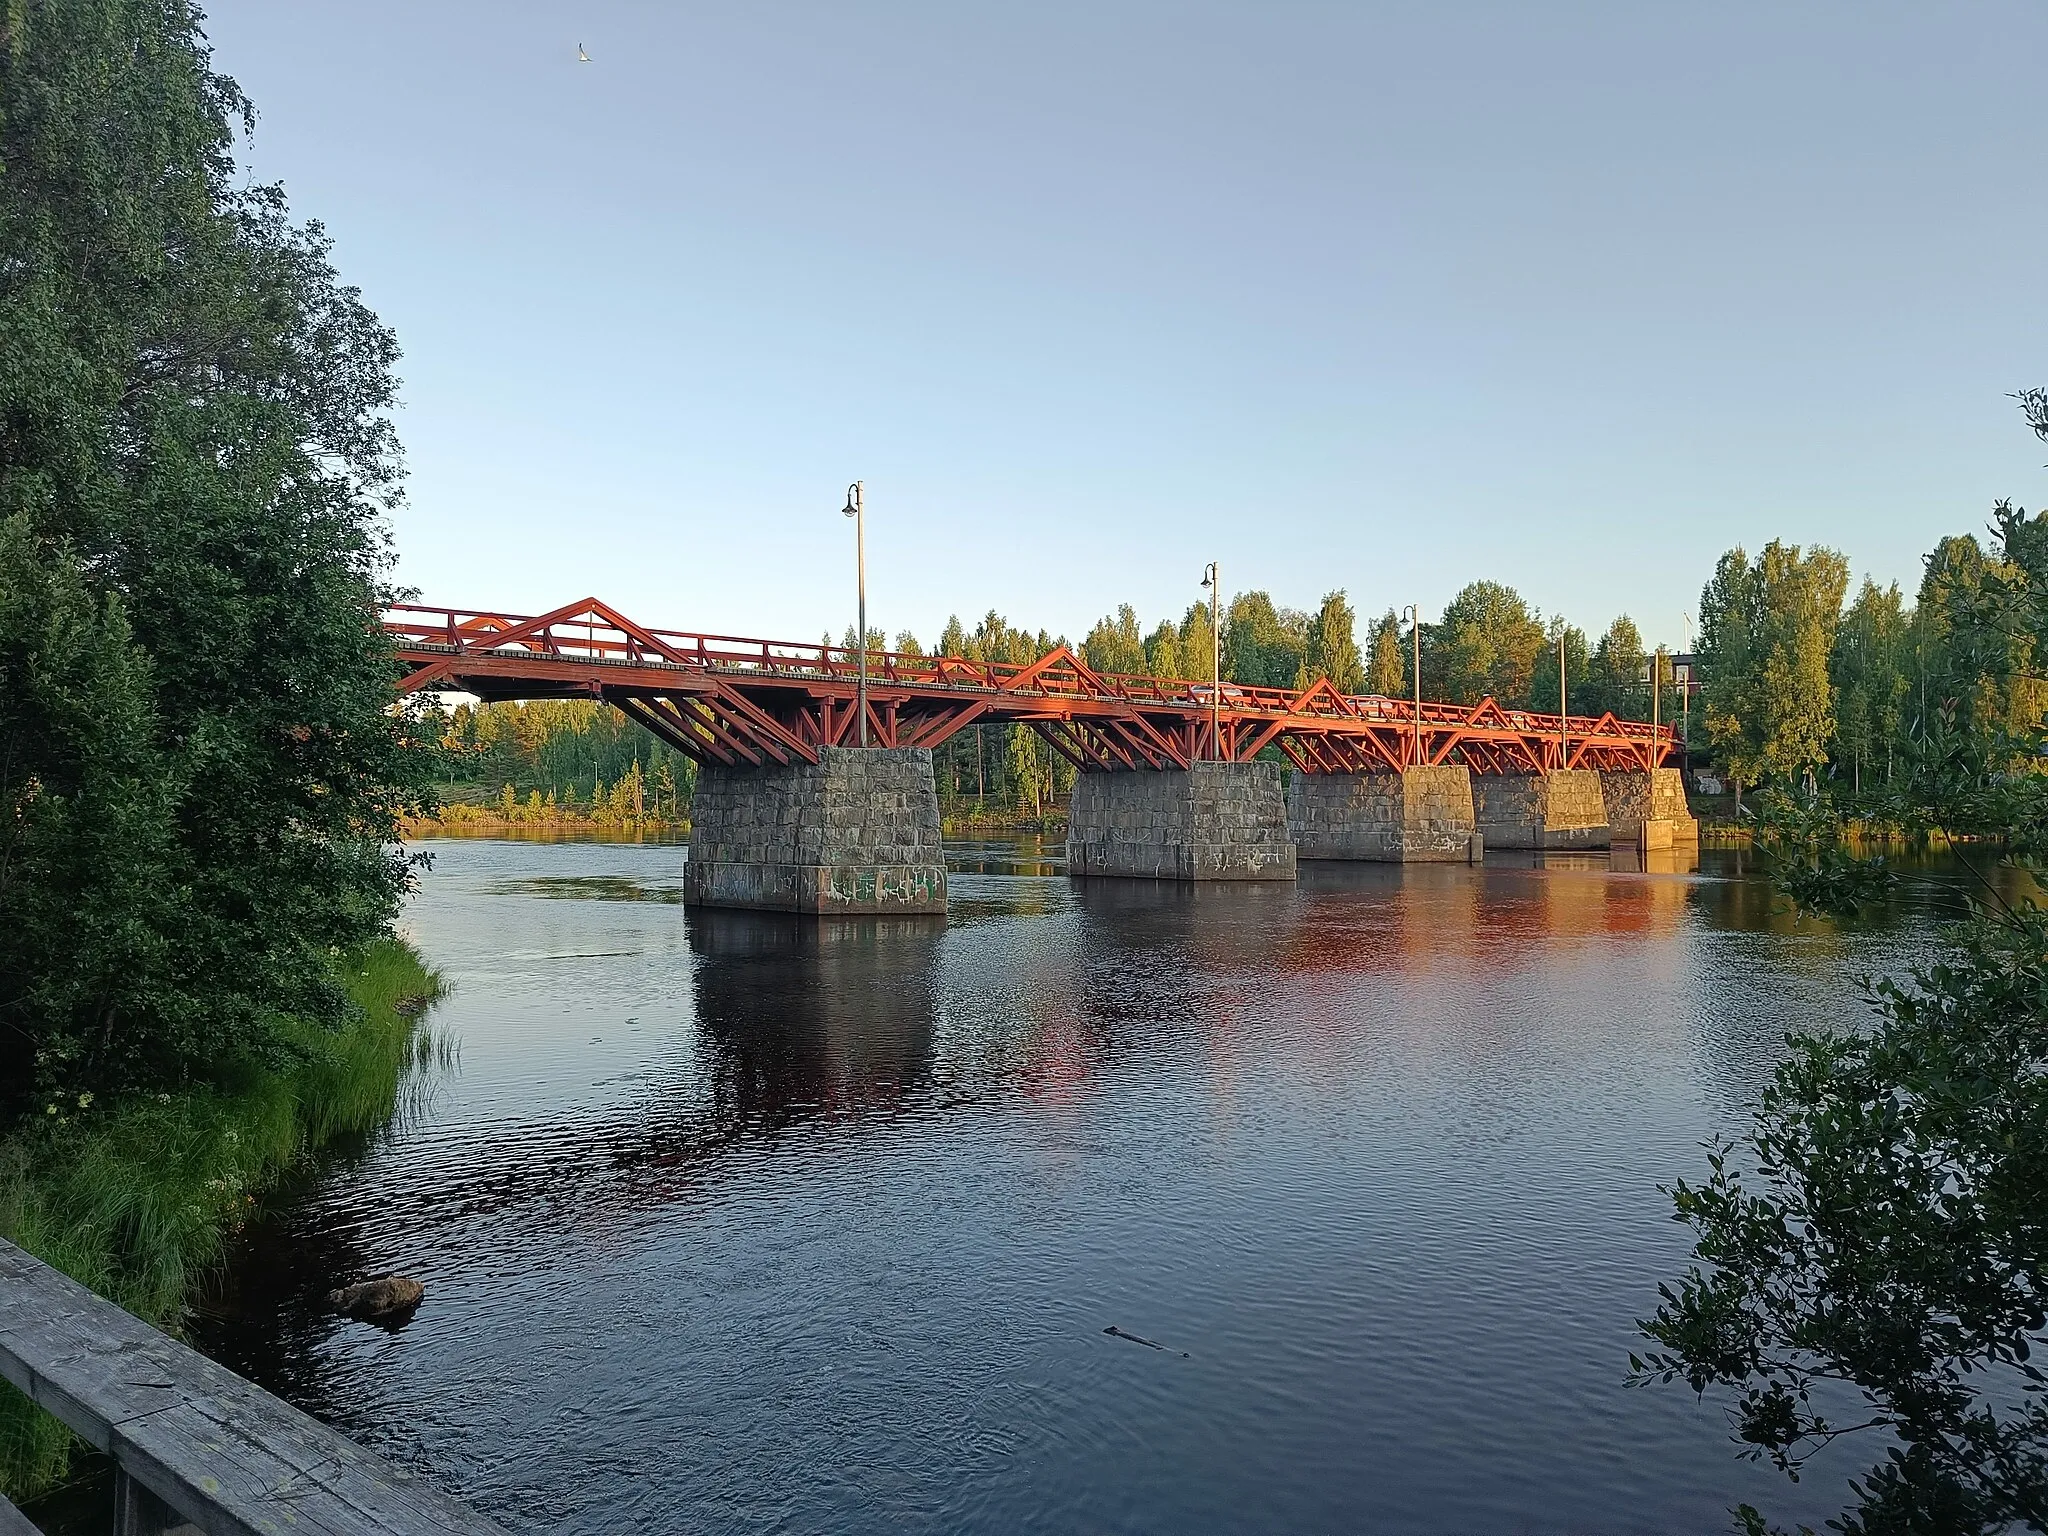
column 1387, row 298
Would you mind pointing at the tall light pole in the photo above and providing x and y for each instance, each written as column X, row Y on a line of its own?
column 1692, row 677
column 856, row 508
column 1564, row 745
column 1415, row 621
column 1656, row 694
column 1212, row 578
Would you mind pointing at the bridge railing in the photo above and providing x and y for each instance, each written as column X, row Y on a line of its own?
column 595, row 633
column 191, row 1441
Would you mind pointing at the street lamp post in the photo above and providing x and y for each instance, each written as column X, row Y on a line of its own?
column 1564, row 745
column 1415, row 621
column 856, row 508
column 1692, row 650
column 1656, row 696
column 1212, row 578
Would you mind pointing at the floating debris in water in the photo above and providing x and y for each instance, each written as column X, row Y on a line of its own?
column 1117, row 1333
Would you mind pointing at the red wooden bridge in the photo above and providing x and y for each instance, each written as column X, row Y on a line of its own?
column 722, row 699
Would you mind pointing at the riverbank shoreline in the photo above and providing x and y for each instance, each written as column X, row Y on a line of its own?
column 459, row 819
column 956, row 822
column 463, row 819
column 138, row 1201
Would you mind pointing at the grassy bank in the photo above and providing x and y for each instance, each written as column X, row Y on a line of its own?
column 472, row 810
column 137, row 1201
column 963, row 819
column 469, row 821
column 508, row 817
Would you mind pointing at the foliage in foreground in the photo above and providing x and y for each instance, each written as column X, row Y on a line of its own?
column 137, row 1201
column 200, row 767
column 1872, row 1252
column 1882, row 1227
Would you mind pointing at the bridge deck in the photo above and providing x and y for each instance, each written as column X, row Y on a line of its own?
column 728, row 699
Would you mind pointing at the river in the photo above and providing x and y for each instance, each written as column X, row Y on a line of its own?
column 742, row 1223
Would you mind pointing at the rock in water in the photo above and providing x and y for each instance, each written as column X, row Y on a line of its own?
column 388, row 1298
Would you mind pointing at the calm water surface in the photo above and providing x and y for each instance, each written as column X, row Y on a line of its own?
column 734, row 1223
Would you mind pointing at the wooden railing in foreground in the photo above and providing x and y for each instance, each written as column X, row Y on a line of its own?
column 14, row 1523
column 192, row 1441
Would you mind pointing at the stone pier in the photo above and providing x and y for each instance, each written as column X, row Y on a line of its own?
column 1560, row 809
column 1648, row 808
column 1413, row 816
column 1210, row 821
column 855, row 832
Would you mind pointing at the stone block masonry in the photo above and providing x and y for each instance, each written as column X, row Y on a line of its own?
column 1561, row 809
column 1648, row 808
column 1413, row 816
column 855, row 832
column 1210, row 821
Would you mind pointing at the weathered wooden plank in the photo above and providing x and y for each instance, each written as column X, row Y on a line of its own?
column 221, row 1451
column 14, row 1523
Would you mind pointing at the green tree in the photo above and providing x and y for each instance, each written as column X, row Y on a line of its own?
column 960, row 766
column 1973, row 648
column 1197, row 656
column 1332, row 649
column 1578, row 694
column 1387, row 672
column 87, row 850
column 1008, row 765
column 1767, row 629
column 1113, row 645
column 1263, row 646
column 878, row 644
column 1486, row 644
column 1615, row 673
column 1731, row 625
column 1869, row 670
column 565, row 748
column 1163, row 654
column 196, row 411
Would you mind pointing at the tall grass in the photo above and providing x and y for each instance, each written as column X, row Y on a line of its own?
column 137, row 1202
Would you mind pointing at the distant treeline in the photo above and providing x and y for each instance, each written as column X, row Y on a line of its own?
column 1489, row 641
column 1795, row 686
column 1798, row 687
column 571, row 759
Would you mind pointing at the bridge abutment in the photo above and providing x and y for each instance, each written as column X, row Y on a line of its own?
column 1415, row 815
column 855, row 832
column 1647, row 807
column 1209, row 821
column 1564, row 808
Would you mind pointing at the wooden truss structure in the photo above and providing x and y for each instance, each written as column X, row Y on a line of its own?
column 723, row 699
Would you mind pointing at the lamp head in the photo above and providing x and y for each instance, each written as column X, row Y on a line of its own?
column 852, row 507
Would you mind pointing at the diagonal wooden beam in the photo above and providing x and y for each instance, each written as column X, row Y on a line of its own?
column 421, row 676
column 776, row 739
column 717, row 728
column 1053, row 733
column 943, row 727
column 522, row 632
column 687, row 737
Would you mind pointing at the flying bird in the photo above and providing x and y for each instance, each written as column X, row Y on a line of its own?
column 581, row 56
